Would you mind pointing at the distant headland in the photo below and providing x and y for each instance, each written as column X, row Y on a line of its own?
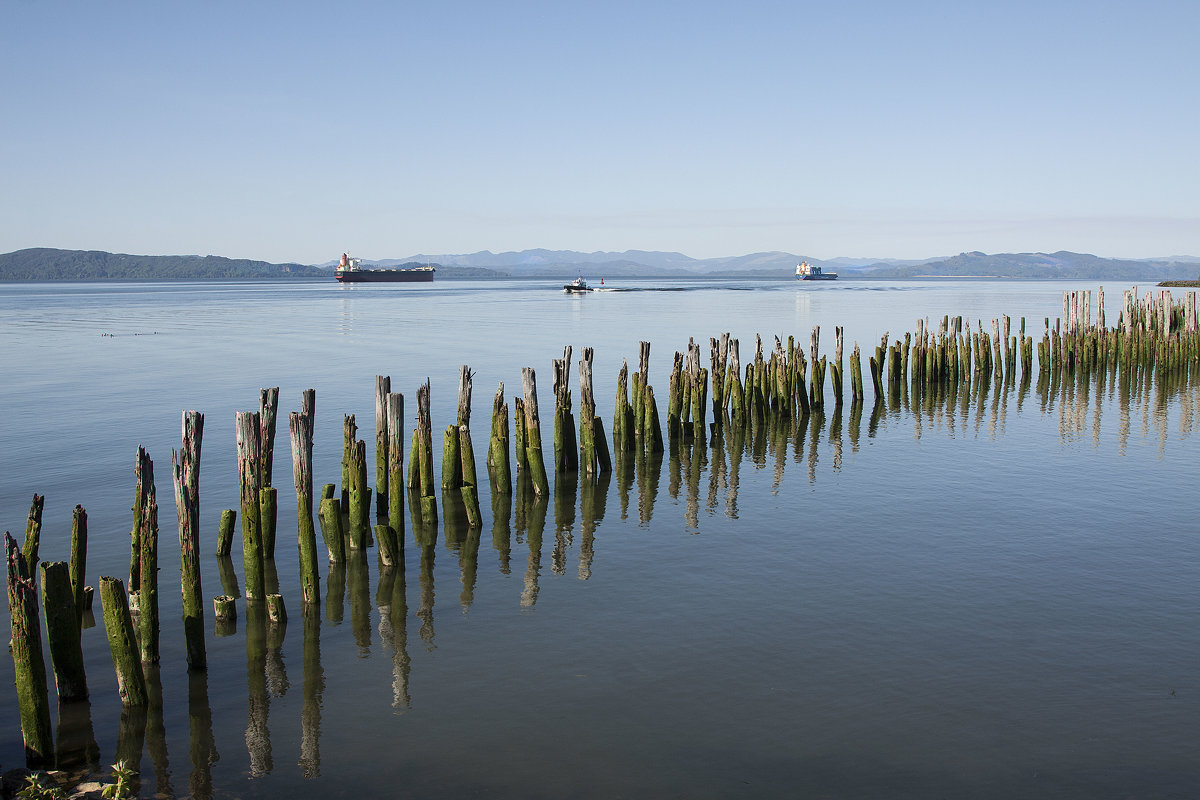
column 49, row 264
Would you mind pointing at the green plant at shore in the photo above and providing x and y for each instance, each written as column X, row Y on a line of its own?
column 122, row 782
column 39, row 787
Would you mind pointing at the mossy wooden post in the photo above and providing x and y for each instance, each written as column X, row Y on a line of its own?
column 79, row 562
column 467, row 476
column 423, row 460
column 623, row 438
column 148, row 562
column 349, row 437
column 185, row 470
column 641, row 381
column 651, row 426
column 268, row 514
column 519, row 437
column 566, row 456
column 592, row 445
column 836, row 367
column 533, row 434
column 734, row 393
column 499, row 466
column 225, row 532
column 248, row 432
column 122, row 643
column 451, row 459
column 62, row 631
column 675, row 393
column 358, row 513
column 394, row 411
column 383, row 386
column 330, row 515
column 268, row 411
column 33, row 532
column 301, row 435
column 29, row 666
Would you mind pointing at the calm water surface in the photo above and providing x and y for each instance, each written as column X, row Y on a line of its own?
column 991, row 599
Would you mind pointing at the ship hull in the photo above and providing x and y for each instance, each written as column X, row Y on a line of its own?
column 828, row 277
column 386, row 276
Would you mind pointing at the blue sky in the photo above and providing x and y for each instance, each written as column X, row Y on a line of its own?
column 294, row 131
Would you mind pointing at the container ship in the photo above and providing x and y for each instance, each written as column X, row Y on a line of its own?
column 807, row 272
column 348, row 271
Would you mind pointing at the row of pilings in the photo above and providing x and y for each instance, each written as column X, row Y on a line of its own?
column 1155, row 338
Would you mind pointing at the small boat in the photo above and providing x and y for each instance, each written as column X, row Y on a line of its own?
column 807, row 272
column 577, row 285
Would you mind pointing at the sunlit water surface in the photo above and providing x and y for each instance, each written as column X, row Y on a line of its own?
column 995, row 599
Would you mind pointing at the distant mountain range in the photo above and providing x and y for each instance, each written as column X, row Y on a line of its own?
column 46, row 264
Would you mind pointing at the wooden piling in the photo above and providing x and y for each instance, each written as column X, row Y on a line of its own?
column 225, row 608
column 29, row 666
column 122, row 643
column 248, row 433
column 566, row 455
column 383, row 387
column 330, row 515
column 33, row 532
column 62, row 631
column 185, row 472
column 359, row 511
column 301, row 435
column 79, row 562
column 499, row 466
column 148, row 619
column 225, row 532
column 394, row 411
column 533, row 434
column 268, row 510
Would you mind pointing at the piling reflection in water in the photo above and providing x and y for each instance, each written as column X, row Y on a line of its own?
column 314, row 690
column 75, row 748
column 203, row 746
column 258, row 703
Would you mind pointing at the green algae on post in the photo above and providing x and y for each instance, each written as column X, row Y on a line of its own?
column 185, row 471
column 122, row 642
column 29, row 666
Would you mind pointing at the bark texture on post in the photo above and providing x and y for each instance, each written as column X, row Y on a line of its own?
column 29, row 666
column 62, row 631
column 148, row 536
column 248, row 432
column 185, row 470
column 118, row 623
column 300, row 428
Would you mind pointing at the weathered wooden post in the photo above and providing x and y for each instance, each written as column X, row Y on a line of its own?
column 623, row 438
column 248, row 433
column 225, row 532
column 359, row 512
column 330, row 515
column 33, row 533
column 301, row 433
column 734, row 392
column 62, row 631
column 268, row 514
column 394, row 411
column 533, row 434
column 383, row 386
column 566, row 456
column 185, row 471
column 499, row 466
column 29, row 665
column 468, row 487
column 421, row 458
column 79, row 562
column 349, row 437
column 268, row 411
column 148, row 561
column 592, row 443
column 122, row 643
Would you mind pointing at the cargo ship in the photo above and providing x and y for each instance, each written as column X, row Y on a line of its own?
column 348, row 271
column 807, row 272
